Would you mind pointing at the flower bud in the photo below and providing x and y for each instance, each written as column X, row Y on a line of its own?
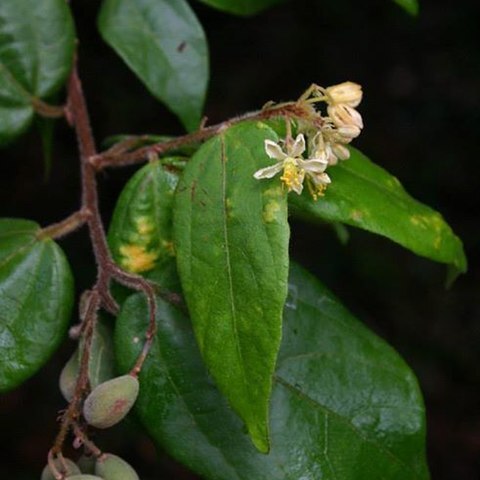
column 112, row 467
column 68, row 376
column 343, row 115
column 109, row 402
column 340, row 151
column 348, row 93
column 347, row 133
column 71, row 469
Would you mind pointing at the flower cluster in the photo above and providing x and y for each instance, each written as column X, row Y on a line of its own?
column 326, row 144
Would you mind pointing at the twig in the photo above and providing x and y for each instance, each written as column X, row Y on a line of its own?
column 111, row 158
column 99, row 296
column 66, row 226
column 46, row 110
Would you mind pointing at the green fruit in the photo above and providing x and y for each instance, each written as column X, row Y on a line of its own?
column 68, row 376
column 83, row 477
column 111, row 467
column 72, row 469
column 86, row 463
column 110, row 401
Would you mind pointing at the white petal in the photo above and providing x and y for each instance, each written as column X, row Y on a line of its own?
column 298, row 188
column 268, row 172
column 273, row 150
column 314, row 165
column 298, row 146
column 321, row 179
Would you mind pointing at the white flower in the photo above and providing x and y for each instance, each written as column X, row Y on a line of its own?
column 347, row 93
column 294, row 166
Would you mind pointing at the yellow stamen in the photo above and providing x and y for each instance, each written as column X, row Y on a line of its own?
column 292, row 175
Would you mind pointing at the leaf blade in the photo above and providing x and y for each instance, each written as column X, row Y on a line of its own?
column 231, row 236
column 163, row 43
column 364, row 195
column 36, row 297
column 36, row 55
column 242, row 7
column 332, row 394
column 410, row 6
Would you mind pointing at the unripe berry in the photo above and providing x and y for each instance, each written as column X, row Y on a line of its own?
column 112, row 467
column 86, row 463
column 108, row 403
column 83, row 477
column 71, row 466
column 68, row 376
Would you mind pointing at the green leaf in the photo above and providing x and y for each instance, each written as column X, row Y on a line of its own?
column 364, row 195
column 140, row 234
column 241, row 7
column 164, row 44
column 36, row 297
column 231, row 237
column 36, row 52
column 411, row 6
column 344, row 405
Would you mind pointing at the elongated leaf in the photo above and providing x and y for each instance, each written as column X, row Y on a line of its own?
column 231, row 236
column 140, row 234
column 164, row 44
column 36, row 296
column 36, row 53
column 411, row 6
column 241, row 7
column 344, row 405
column 364, row 195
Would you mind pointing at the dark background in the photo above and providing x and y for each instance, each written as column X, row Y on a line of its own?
column 421, row 79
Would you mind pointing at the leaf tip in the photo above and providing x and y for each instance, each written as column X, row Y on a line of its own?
column 410, row 6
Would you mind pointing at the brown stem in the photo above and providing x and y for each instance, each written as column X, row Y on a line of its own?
column 46, row 110
column 110, row 158
column 90, row 446
column 72, row 413
column 99, row 296
column 66, row 226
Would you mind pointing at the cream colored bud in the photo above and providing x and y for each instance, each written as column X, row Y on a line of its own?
column 347, row 133
column 343, row 115
column 340, row 151
column 348, row 93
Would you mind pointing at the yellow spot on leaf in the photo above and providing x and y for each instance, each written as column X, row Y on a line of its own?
column 274, row 192
column 136, row 259
column 356, row 215
column 144, row 225
column 270, row 211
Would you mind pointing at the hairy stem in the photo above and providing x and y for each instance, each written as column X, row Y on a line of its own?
column 66, row 226
column 117, row 158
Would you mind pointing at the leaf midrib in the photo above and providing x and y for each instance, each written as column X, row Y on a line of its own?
column 233, row 309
